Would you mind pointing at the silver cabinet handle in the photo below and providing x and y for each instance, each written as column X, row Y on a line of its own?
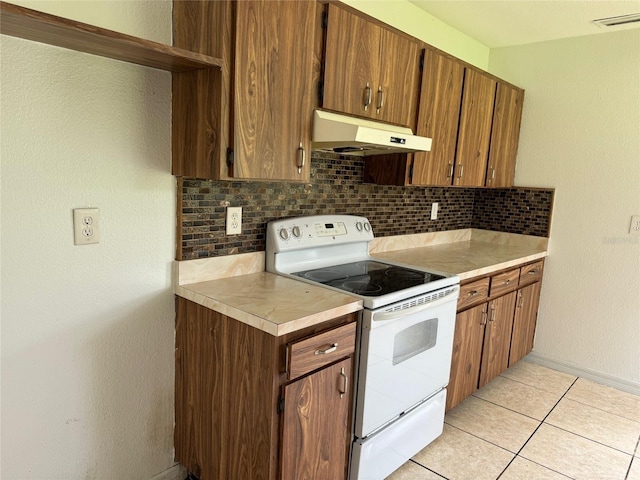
column 331, row 348
column 380, row 100
column 345, row 383
column 532, row 272
column 450, row 174
column 493, row 174
column 493, row 313
column 483, row 320
column 520, row 299
column 300, row 161
column 472, row 293
column 507, row 281
column 461, row 170
column 366, row 98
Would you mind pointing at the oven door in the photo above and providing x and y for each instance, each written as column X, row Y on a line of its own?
column 405, row 356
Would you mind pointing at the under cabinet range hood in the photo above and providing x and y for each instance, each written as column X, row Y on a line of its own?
column 346, row 135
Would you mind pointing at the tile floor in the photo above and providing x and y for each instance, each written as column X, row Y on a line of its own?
column 534, row 423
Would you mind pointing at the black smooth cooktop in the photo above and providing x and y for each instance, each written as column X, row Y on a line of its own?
column 368, row 278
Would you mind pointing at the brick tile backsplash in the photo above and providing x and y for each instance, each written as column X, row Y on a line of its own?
column 336, row 187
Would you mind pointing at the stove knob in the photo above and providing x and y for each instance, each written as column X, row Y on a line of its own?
column 284, row 235
column 359, row 226
column 367, row 227
column 296, row 231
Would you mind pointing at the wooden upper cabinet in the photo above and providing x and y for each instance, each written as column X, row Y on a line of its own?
column 438, row 116
column 369, row 70
column 505, row 134
column 273, row 91
column 474, row 131
column 261, row 106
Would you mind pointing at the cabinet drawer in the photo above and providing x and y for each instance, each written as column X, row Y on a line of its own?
column 474, row 292
column 531, row 273
column 504, row 282
column 311, row 353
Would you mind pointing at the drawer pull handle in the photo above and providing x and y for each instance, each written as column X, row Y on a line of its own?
column 507, row 282
column 331, row 348
column 472, row 293
column 532, row 272
column 345, row 383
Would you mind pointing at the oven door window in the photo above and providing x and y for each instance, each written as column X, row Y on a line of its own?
column 414, row 340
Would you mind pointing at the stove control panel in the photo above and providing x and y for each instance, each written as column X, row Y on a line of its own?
column 298, row 233
column 330, row 229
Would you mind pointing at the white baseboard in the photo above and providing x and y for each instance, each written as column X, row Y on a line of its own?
column 177, row 472
column 598, row 377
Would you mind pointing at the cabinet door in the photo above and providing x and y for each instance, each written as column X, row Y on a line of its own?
column 497, row 338
column 475, row 129
column 438, row 116
column 467, row 351
column 505, row 133
column 524, row 322
column 316, row 431
column 369, row 71
column 273, row 91
column 397, row 88
column 351, row 63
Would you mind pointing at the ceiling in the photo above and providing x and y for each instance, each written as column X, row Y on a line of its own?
column 502, row 23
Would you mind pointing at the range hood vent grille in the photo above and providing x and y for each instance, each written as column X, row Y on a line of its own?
column 621, row 21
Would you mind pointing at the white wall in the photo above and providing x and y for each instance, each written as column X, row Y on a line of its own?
column 405, row 16
column 581, row 135
column 87, row 331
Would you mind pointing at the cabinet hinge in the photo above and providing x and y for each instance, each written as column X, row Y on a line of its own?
column 325, row 21
column 411, row 173
column 320, row 91
column 422, row 60
column 280, row 405
column 229, row 157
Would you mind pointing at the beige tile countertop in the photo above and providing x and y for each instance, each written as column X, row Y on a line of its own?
column 235, row 286
column 467, row 253
column 238, row 286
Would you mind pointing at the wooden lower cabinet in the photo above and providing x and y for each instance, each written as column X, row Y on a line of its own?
column 467, row 352
column 316, row 433
column 497, row 338
column 495, row 328
column 524, row 322
column 238, row 415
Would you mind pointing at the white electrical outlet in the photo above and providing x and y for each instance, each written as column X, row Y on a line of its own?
column 86, row 226
column 634, row 228
column 434, row 211
column 234, row 220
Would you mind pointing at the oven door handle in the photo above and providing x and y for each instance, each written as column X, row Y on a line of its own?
column 384, row 316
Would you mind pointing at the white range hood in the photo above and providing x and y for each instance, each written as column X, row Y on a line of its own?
column 346, row 135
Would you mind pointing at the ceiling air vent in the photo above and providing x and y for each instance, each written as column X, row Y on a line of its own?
column 631, row 20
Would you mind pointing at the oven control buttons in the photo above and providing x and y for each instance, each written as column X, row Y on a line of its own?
column 284, row 234
column 359, row 226
column 296, row 231
column 367, row 227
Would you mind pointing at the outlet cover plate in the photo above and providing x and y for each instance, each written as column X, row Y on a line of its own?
column 634, row 227
column 234, row 220
column 86, row 226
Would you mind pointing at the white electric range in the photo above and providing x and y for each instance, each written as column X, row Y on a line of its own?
column 405, row 337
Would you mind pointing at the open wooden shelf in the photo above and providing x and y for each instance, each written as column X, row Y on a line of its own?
column 45, row 28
